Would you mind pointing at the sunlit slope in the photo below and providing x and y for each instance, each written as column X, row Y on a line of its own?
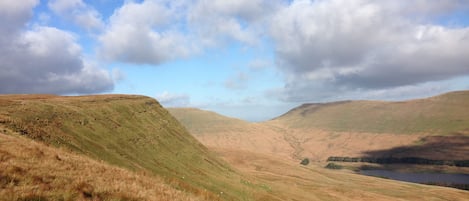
column 275, row 138
column 215, row 130
column 350, row 128
column 444, row 114
column 134, row 132
column 33, row 171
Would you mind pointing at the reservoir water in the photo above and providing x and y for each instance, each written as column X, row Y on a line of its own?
column 419, row 177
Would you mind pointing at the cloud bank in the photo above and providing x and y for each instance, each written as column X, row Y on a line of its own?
column 338, row 46
column 78, row 12
column 43, row 59
column 323, row 49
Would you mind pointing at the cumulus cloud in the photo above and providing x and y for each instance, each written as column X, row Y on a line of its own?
column 157, row 31
column 365, row 45
column 173, row 100
column 242, row 20
column 79, row 12
column 14, row 14
column 142, row 33
column 44, row 59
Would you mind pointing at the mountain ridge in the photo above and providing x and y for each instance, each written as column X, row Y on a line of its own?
column 442, row 114
column 137, row 137
column 346, row 128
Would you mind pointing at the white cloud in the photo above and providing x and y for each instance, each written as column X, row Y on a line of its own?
column 44, row 59
column 216, row 21
column 79, row 12
column 14, row 15
column 141, row 33
column 364, row 46
column 62, row 6
column 157, row 31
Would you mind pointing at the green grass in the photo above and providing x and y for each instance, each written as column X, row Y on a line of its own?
column 133, row 132
column 444, row 114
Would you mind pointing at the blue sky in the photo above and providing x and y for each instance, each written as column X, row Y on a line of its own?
column 250, row 59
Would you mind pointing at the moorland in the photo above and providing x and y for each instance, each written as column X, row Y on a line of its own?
column 126, row 147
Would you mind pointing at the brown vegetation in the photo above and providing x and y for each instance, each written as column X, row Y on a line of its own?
column 163, row 162
column 289, row 180
column 425, row 127
column 32, row 171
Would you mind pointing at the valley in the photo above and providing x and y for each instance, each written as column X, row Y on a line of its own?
column 124, row 147
column 348, row 129
column 433, row 129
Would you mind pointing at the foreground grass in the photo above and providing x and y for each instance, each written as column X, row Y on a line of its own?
column 33, row 171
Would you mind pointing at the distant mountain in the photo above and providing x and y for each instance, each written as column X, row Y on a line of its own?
column 444, row 114
column 346, row 128
column 215, row 130
column 121, row 147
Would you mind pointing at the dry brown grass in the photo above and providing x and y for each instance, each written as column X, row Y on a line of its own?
column 275, row 138
column 33, row 171
column 351, row 128
column 290, row 181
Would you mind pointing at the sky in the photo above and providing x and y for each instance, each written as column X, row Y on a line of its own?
column 249, row 59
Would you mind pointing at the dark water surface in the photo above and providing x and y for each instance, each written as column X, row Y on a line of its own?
column 419, row 177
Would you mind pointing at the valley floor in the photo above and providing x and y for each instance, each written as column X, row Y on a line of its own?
column 288, row 180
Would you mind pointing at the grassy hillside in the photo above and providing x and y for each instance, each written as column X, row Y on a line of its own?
column 133, row 132
column 348, row 128
column 33, row 171
column 444, row 114
column 215, row 130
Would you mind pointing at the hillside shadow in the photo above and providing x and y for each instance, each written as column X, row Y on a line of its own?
column 454, row 147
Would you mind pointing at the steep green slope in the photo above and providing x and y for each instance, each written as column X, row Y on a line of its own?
column 444, row 114
column 134, row 132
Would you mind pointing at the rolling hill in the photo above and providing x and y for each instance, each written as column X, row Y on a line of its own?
column 216, row 131
column 121, row 147
column 347, row 128
column 443, row 115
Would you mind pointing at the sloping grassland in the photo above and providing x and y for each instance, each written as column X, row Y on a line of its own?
column 33, row 171
column 347, row 128
column 133, row 132
column 443, row 115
